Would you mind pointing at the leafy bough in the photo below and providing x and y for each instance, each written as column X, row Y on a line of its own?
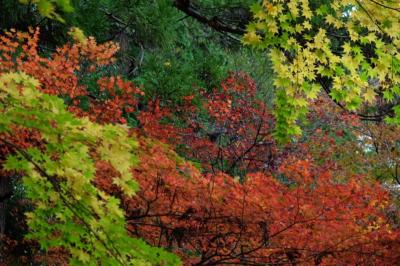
column 69, row 210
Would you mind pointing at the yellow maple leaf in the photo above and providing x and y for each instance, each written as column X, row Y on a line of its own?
column 251, row 37
column 369, row 95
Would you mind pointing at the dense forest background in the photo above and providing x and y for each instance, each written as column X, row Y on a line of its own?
column 205, row 132
column 154, row 36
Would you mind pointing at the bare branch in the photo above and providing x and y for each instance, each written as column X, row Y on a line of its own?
column 214, row 22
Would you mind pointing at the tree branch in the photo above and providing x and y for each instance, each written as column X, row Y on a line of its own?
column 214, row 22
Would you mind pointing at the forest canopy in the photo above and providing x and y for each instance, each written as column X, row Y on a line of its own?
column 178, row 132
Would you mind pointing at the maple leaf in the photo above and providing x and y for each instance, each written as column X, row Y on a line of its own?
column 370, row 95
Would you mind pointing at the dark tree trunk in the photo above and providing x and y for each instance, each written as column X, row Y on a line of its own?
column 5, row 194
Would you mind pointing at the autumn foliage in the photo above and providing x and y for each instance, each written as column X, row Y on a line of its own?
column 238, row 197
column 62, row 72
column 231, row 132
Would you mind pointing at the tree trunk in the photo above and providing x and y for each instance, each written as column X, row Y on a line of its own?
column 5, row 193
column 125, row 62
